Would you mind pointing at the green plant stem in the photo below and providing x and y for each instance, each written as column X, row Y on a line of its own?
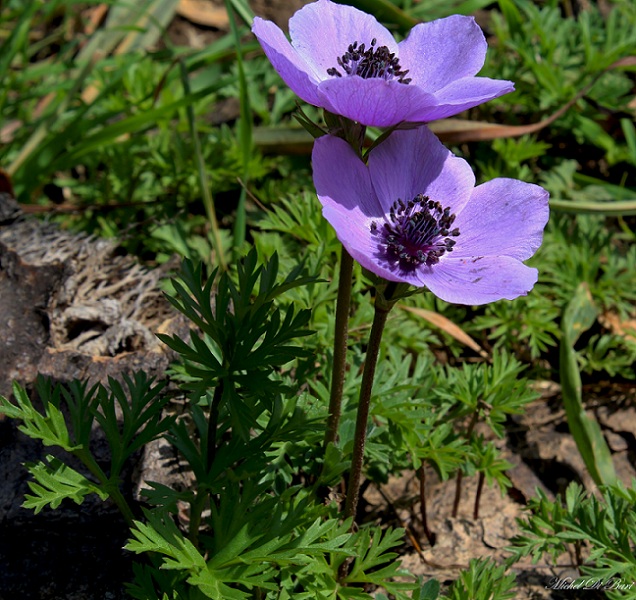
column 196, row 510
column 373, row 350
column 109, row 486
column 201, row 498
column 213, row 424
column 122, row 505
column 339, row 346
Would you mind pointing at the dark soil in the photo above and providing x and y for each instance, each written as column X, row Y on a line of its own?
column 67, row 554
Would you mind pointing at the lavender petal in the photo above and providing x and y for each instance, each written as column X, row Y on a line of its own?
column 415, row 162
column 438, row 52
column 479, row 280
column 505, row 217
column 322, row 31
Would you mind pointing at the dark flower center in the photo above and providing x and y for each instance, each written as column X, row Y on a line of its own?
column 416, row 233
column 369, row 63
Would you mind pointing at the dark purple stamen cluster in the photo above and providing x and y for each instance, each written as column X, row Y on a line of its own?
column 369, row 63
column 417, row 232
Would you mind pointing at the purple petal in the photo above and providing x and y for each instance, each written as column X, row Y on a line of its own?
column 322, row 31
column 342, row 179
column 441, row 51
column 374, row 102
column 352, row 229
column 504, row 217
column 295, row 72
column 463, row 94
column 479, row 280
column 350, row 205
column 415, row 162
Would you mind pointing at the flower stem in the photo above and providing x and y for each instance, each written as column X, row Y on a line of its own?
column 373, row 350
column 339, row 346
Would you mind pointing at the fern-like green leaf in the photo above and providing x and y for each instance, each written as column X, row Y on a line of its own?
column 55, row 482
column 49, row 427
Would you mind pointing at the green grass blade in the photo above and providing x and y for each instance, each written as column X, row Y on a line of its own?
column 122, row 16
column 34, row 143
column 580, row 314
column 245, row 132
column 630, row 137
column 208, row 200
column 137, row 123
column 18, row 38
column 614, row 192
column 428, row 11
column 610, row 209
column 151, row 25
column 242, row 9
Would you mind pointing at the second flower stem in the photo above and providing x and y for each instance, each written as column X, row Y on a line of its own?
column 339, row 346
column 359, row 442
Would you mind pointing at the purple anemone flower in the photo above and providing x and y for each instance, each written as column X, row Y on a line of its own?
column 414, row 215
column 343, row 60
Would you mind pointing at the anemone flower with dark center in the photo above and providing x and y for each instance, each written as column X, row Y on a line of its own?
column 343, row 60
column 414, row 215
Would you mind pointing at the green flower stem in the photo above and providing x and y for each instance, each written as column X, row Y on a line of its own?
column 339, row 346
column 382, row 310
column 354, row 134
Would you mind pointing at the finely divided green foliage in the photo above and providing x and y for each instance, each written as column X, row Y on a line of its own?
column 556, row 56
column 130, row 415
column 54, row 481
column 243, row 338
column 601, row 530
column 140, row 405
column 492, row 391
column 483, row 580
column 410, row 425
column 262, row 540
column 585, row 250
column 49, row 426
column 265, row 529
